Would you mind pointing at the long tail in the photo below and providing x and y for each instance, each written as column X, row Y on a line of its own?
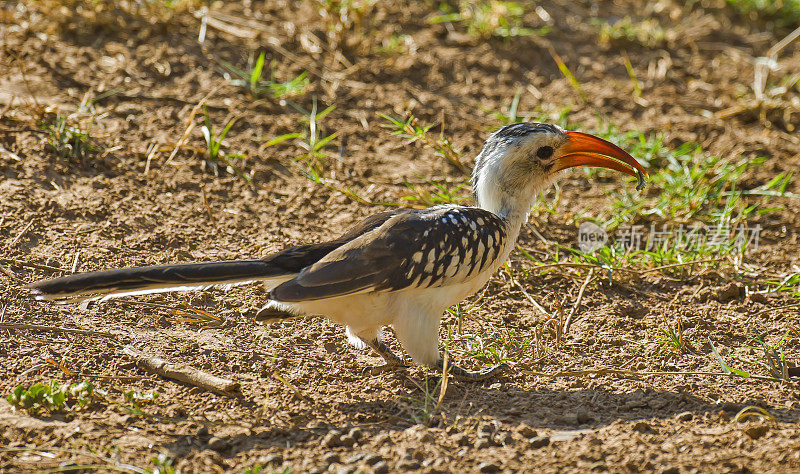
column 156, row 279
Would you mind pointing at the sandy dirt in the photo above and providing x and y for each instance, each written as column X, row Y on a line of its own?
column 304, row 405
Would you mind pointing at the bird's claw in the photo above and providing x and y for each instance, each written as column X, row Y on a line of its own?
column 380, row 369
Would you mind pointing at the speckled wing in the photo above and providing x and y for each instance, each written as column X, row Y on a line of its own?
column 433, row 247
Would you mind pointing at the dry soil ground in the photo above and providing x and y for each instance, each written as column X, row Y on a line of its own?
column 132, row 76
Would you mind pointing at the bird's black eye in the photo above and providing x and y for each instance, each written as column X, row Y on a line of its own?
column 544, row 152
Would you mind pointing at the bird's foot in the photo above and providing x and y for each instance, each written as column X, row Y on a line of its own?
column 460, row 373
column 383, row 368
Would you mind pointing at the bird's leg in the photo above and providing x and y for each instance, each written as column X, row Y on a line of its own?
column 393, row 361
column 460, row 373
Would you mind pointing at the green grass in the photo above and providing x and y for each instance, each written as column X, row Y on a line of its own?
column 412, row 130
column 647, row 32
column 785, row 13
column 251, row 80
column 672, row 335
column 494, row 347
column 69, row 142
column 435, row 193
column 772, row 354
column 311, row 140
column 53, row 397
column 487, row 18
column 216, row 156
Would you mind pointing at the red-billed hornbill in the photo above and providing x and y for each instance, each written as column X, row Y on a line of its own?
column 402, row 267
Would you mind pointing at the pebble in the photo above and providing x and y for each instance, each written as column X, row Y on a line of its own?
column 539, row 442
column 354, row 458
column 371, row 459
column 482, row 443
column 380, row 468
column 356, row 433
column 408, row 465
column 503, row 439
column 685, row 416
column 332, row 439
column 381, row 439
column 273, row 459
column 488, row 467
column 756, row 432
column 526, row 431
column 217, row 444
column 461, row 439
column 643, row 427
column 347, row 441
column 330, row 458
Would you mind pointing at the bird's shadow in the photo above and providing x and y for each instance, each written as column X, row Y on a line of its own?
column 565, row 411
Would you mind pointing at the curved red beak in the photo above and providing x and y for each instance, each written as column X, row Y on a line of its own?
column 583, row 149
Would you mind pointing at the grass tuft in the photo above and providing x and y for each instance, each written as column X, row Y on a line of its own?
column 69, row 142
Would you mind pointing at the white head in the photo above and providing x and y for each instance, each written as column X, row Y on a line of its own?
column 520, row 159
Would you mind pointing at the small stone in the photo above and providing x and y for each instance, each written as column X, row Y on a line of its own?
column 482, row 443
column 583, row 416
column 488, row 428
column 203, row 431
column 643, row 427
column 671, row 470
column 758, row 298
column 382, row 439
column 273, row 459
column 330, row 458
column 526, row 431
column 488, row 467
column 730, row 291
column 408, row 465
column 356, row 433
column 347, row 441
column 539, row 442
column 462, row 439
column 332, row 440
column 371, row 459
column 755, row 432
column 503, row 439
column 217, row 444
column 347, row 470
column 380, row 468
column 685, row 416
column 354, row 458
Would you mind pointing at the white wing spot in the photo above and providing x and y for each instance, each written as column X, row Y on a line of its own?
column 429, row 267
column 452, row 269
column 472, row 225
column 480, row 221
column 417, row 257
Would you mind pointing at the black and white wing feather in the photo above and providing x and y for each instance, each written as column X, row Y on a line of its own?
column 433, row 247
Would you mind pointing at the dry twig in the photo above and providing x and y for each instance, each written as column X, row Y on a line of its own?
column 574, row 309
column 182, row 372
